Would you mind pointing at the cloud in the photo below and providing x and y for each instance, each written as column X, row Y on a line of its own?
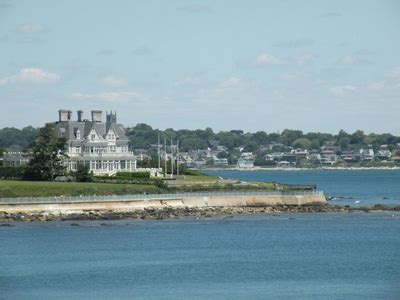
column 105, row 52
column 113, row 81
column 353, row 60
column 302, row 59
column 295, row 43
column 30, row 28
column 377, row 86
column 343, row 89
column 186, row 81
column 30, row 75
column 123, row 96
column 231, row 82
column 331, row 14
column 195, row 8
column 394, row 73
column 267, row 59
column 292, row 76
column 142, row 50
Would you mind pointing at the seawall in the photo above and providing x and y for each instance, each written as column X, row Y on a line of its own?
column 173, row 202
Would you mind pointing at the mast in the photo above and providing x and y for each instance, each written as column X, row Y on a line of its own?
column 172, row 161
column 177, row 157
column 158, row 151
column 165, row 157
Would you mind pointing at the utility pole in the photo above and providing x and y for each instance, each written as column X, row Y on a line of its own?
column 158, row 151
column 177, row 157
column 172, row 160
column 165, row 157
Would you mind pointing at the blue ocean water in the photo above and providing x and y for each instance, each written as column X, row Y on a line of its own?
column 307, row 256
column 349, row 187
column 282, row 256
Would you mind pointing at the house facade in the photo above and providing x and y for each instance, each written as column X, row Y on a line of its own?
column 102, row 146
column 16, row 159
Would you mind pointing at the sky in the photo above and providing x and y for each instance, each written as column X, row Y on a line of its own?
column 316, row 66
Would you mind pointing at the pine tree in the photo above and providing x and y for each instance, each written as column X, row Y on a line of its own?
column 48, row 152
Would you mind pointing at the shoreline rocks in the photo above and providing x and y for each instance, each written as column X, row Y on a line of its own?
column 176, row 213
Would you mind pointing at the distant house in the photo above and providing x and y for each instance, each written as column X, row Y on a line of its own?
column 367, row 154
column 245, row 163
column 328, row 157
column 247, row 155
column 15, row 159
column 300, row 153
column 222, row 162
column 383, row 154
column 199, row 162
column 349, row 156
column 395, row 153
column 314, row 156
column 290, row 157
column 141, row 154
column 221, row 148
column 283, row 164
column 274, row 156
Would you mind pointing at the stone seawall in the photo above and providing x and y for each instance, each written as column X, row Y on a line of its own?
column 179, row 202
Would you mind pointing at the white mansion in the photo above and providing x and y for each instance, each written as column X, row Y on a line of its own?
column 102, row 146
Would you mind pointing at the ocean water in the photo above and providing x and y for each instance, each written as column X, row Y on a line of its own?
column 347, row 187
column 306, row 256
column 282, row 256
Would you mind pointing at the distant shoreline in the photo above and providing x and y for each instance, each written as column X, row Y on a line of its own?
column 305, row 169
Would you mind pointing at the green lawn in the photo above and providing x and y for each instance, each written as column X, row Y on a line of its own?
column 198, row 178
column 10, row 188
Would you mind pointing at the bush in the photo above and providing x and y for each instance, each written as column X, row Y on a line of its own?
column 128, row 175
column 83, row 174
column 12, row 172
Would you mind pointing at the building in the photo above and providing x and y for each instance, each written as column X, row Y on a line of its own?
column 15, row 159
column 349, row 156
column 244, row 163
column 328, row 157
column 102, row 146
column 222, row 162
column 383, row 154
column 367, row 154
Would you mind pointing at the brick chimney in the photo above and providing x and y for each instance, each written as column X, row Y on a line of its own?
column 96, row 115
column 64, row 115
column 80, row 115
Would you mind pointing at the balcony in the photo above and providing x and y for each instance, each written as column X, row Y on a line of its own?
column 103, row 154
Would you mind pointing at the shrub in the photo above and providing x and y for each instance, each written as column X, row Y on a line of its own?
column 133, row 175
column 12, row 172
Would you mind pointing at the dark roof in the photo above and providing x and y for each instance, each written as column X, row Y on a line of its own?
column 70, row 128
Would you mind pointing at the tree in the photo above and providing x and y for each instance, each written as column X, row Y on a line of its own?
column 301, row 143
column 48, row 152
column 82, row 174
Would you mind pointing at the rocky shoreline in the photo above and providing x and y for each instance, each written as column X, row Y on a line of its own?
column 176, row 213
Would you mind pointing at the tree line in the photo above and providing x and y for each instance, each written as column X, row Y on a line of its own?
column 143, row 136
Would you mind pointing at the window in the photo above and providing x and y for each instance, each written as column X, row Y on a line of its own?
column 93, row 137
column 78, row 134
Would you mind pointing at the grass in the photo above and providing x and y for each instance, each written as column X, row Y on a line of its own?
column 11, row 188
column 198, row 178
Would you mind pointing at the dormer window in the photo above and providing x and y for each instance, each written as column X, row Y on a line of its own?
column 111, row 135
column 78, row 134
column 93, row 137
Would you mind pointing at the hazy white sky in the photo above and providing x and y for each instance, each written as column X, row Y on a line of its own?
column 254, row 65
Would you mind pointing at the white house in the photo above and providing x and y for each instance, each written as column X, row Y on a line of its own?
column 102, row 146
